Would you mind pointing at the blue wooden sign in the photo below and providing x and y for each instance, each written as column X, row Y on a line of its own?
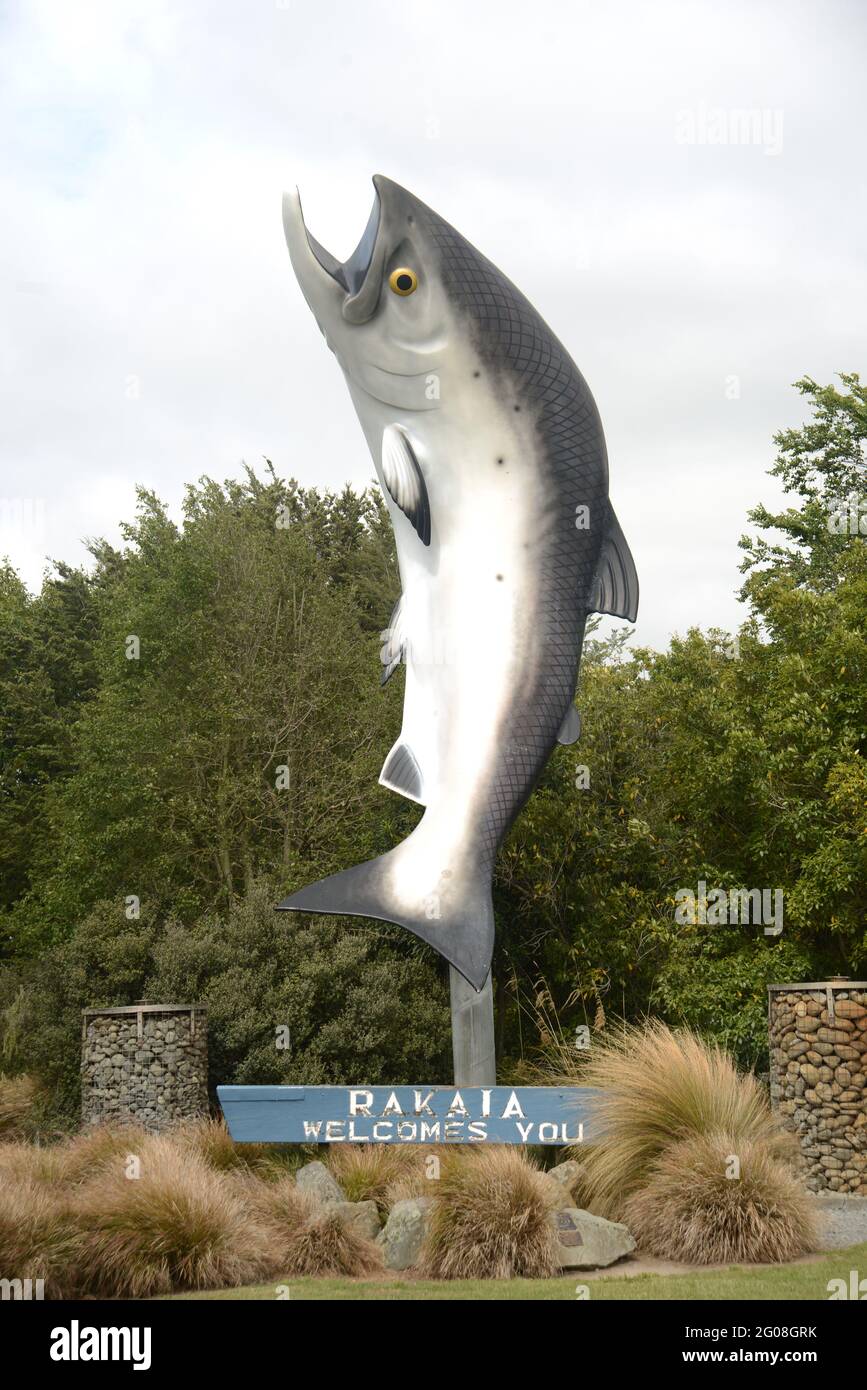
column 409, row 1114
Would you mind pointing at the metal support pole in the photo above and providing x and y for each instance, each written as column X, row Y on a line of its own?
column 472, row 1032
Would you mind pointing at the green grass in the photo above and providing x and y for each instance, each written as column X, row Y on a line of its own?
column 784, row 1283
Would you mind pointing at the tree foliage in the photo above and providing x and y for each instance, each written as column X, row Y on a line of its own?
column 196, row 723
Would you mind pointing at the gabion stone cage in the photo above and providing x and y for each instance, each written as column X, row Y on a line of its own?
column 818, row 1036
column 146, row 1063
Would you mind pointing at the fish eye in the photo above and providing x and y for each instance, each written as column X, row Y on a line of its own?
column 403, row 280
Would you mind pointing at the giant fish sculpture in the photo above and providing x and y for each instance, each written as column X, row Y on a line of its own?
column 489, row 449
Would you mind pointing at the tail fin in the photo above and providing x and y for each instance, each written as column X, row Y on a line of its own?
column 461, row 921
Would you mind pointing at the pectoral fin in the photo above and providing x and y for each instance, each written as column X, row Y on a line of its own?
column 405, row 480
column 570, row 729
column 393, row 649
column 615, row 588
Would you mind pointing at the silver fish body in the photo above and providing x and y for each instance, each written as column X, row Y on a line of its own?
column 491, row 455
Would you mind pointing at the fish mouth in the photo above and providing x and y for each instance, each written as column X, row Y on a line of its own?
column 358, row 278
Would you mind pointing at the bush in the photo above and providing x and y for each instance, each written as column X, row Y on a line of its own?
column 691, row 1210
column 332, row 984
column 491, row 1218
column 657, row 1087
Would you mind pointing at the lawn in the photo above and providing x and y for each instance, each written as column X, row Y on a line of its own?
column 777, row 1283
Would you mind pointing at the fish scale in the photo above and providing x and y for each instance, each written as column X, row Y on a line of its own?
column 513, row 341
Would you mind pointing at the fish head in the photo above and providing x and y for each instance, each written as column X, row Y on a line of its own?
column 384, row 312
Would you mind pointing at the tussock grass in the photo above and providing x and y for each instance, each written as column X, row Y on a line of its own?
column 659, row 1087
column 179, row 1225
column 212, row 1142
column 39, row 1236
column 370, row 1172
column 99, row 1149
column 691, row 1211
column 491, row 1218
column 23, row 1162
column 326, row 1245
column 18, row 1095
column 277, row 1205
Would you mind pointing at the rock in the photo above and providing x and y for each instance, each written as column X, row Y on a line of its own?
column 402, row 1236
column 585, row 1241
column 315, row 1181
column 561, row 1182
column 362, row 1216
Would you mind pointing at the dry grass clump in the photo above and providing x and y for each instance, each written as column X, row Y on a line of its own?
column 277, row 1204
column 326, row 1244
column 178, row 1225
column 303, row 1237
column 658, row 1087
column 491, row 1218
column 23, row 1162
column 691, row 1210
column 39, row 1238
column 213, row 1143
column 419, row 1175
column 86, row 1156
column 370, row 1172
column 18, row 1095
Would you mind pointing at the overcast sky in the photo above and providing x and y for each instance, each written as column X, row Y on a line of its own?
column 152, row 331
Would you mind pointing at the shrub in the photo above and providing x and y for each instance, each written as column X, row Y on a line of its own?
column 657, row 1087
column 690, row 1210
column 491, row 1218
column 250, row 966
column 39, row 1238
column 179, row 1224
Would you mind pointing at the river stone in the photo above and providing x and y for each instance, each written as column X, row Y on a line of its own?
column 315, row 1181
column 403, row 1234
column 363, row 1217
column 585, row 1241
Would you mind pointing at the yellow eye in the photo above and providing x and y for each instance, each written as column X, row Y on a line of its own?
column 403, row 280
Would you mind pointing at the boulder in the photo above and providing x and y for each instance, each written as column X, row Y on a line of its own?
column 561, row 1182
column 585, row 1241
column 403, row 1234
column 315, row 1181
column 362, row 1216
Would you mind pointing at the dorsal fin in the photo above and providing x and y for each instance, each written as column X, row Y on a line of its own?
column 615, row 588
column 405, row 480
